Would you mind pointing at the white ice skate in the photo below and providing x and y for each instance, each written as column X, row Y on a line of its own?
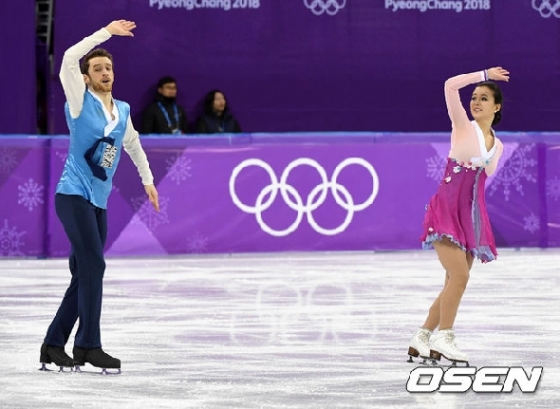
column 443, row 343
column 420, row 345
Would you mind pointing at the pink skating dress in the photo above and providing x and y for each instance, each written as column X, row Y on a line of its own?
column 458, row 209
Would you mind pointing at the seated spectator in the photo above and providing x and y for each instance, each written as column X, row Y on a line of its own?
column 164, row 115
column 216, row 118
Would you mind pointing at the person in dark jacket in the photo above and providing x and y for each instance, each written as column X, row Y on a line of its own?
column 164, row 115
column 216, row 118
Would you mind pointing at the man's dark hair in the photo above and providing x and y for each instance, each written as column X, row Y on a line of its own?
column 98, row 52
column 166, row 80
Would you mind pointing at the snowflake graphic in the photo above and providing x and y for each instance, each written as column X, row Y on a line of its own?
column 147, row 214
column 8, row 160
column 10, row 241
column 30, row 194
column 517, row 168
column 553, row 188
column 62, row 155
column 179, row 169
column 197, row 243
column 436, row 167
column 531, row 223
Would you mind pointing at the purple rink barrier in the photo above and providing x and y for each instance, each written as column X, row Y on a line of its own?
column 278, row 192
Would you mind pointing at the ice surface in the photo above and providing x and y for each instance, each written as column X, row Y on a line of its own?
column 290, row 330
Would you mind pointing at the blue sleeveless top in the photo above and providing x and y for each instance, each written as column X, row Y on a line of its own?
column 92, row 156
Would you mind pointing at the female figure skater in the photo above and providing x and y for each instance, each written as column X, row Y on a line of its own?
column 456, row 224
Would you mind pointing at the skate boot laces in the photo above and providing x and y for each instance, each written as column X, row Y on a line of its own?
column 450, row 339
column 444, row 344
column 420, row 344
column 424, row 336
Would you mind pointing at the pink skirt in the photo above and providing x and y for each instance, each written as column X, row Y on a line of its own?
column 458, row 211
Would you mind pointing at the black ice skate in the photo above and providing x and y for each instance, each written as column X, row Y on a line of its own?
column 56, row 355
column 98, row 358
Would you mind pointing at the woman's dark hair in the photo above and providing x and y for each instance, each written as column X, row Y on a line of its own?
column 209, row 101
column 498, row 98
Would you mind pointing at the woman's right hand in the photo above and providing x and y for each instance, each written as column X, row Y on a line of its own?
column 498, row 74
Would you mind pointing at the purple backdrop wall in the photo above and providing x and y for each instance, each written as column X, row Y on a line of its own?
column 329, row 65
column 278, row 192
column 18, row 97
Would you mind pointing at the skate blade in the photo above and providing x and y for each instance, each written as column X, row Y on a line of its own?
column 458, row 364
column 61, row 369
column 436, row 356
column 450, row 364
column 454, row 363
column 418, row 360
column 103, row 371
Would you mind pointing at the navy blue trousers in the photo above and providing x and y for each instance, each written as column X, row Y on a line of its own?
column 86, row 228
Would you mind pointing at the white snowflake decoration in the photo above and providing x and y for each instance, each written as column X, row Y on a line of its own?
column 10, row 241
column 436, row 167
column 178, row 169
column 62, row 155
column 146, row 213
column 531, row 223
column 30, row 194
column 8, row 160
column 553, row 188
column 197, row 243
column 516, row 169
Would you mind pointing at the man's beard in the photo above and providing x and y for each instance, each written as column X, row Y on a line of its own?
column 100, row 87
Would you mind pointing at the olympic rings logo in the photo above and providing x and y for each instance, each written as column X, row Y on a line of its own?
column 547, row 8
column 314, row 199
column 331, row 7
